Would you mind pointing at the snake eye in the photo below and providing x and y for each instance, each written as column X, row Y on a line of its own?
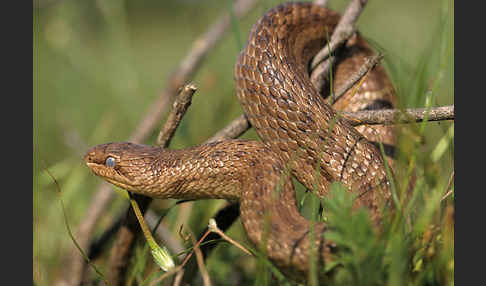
column 110, row 162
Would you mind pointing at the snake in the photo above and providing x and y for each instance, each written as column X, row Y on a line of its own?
column 302, row 137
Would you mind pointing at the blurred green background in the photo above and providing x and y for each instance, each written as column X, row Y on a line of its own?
column 98, row 66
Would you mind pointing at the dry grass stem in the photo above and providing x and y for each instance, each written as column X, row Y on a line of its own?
column 178, row 277
column 449, row 183
column 200, row 262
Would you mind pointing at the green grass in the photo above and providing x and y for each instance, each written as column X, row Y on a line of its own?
column 98, row 65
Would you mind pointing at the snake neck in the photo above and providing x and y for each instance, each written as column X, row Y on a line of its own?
column 242, row 170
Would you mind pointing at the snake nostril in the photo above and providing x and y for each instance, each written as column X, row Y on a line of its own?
column 89, row 157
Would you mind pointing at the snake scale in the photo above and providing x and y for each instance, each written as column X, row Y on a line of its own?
column 302, row 136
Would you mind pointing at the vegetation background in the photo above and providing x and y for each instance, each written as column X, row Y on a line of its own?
column 98, row 66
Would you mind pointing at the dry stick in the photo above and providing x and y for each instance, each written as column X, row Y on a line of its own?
column 130, row 230
column 75, row 264
column 344, row 30
column 396, row 116
column 372, row 117
column 179, row 108
column 369, row 64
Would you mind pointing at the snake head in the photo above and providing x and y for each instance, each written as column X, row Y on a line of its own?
column 121, row 163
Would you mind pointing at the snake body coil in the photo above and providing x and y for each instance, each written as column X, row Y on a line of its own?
column 300, row 132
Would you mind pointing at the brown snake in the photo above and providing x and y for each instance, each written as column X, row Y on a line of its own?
column 299, row 129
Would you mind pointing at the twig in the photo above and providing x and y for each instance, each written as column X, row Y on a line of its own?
column 396, row 116
column 385, row 116
column 359, row 75
column 179, row 109
column 213, row 227
column 343, row 31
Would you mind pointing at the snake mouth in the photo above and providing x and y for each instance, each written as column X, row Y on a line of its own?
column 110, row 175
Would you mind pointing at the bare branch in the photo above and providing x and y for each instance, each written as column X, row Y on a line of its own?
column 385, row 116
column 343, row 31
column 354, row 78
column 395, row 116
column 213, row 227
column 179, row 108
